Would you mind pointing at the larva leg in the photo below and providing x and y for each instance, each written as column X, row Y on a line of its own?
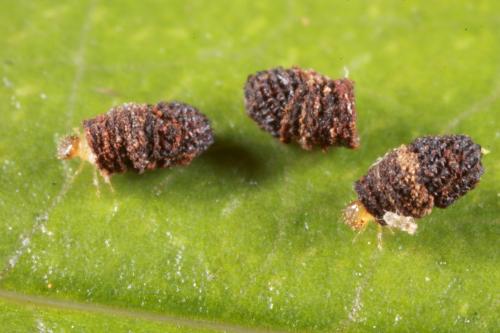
column 346, row 72
column 379, row 237
column 72, row 178
column 360, row 231
column 390, row 229
column 107, row 180
column 95, row 181
column 79, row 170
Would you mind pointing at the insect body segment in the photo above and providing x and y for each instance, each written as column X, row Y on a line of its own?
column 303, row 106
column 140, row 137
column 409, row 181
column 356, row 216
column 68, row 147
column 75, row 146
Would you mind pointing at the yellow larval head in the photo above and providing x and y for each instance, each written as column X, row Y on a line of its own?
column 68, row 147
column 356, row 216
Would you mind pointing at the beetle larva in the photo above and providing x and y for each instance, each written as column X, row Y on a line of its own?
column 410, row 180
column 303, row 106
column 140, row 137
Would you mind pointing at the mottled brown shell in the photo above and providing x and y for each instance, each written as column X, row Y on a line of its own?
column 410, row 180
column 450, row 166
column 303, row 106
column 143, row 137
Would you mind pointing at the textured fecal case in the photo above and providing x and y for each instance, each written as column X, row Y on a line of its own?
column 303, row 106
column 140, row 137
column 143, row 137
column 412, row 179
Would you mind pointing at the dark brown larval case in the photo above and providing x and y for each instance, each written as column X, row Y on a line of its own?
column 143, row 137
column 412, row 179
column 303, row 106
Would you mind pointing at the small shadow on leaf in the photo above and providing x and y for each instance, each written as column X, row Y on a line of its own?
column 231, row 158
column 230, row 163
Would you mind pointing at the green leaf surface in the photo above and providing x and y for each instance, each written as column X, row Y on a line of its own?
column 24, row 317
column 250, row 234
